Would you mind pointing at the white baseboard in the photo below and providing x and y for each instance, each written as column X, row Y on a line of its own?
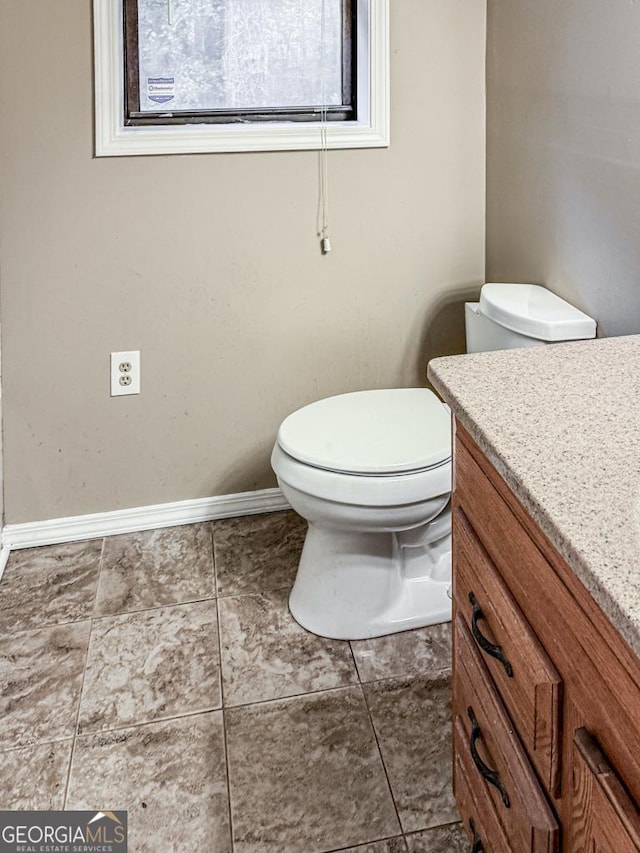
column 4, row 558
column 96, row 525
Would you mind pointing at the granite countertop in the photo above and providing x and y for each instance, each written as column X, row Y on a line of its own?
column 561, row 424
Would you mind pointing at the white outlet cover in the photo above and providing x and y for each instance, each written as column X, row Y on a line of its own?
column 118, row 359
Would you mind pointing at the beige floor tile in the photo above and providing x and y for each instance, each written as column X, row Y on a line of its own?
column 35, row 778
column 412, row 719
column 49, row 585
column 442, row 839
column 258, row 552
column 151, row 665
column 423, row 652
column 170, row 777
column 156, row 568
column 40, row 682
column 267, row 655
column 391, row 845
column 305, row 775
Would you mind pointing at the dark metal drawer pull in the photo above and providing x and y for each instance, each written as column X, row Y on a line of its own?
column 492, row 649
column 477, row 843
column 486, row 772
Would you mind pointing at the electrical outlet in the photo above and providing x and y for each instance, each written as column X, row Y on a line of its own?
column 125, row 373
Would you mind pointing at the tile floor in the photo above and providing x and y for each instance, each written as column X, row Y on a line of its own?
column 161, row 673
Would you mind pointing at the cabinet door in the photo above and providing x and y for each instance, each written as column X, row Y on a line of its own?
column 605, row 819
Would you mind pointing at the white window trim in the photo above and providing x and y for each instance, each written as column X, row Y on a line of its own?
column 370, row 130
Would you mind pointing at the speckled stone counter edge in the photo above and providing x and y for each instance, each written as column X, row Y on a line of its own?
column 627, row 623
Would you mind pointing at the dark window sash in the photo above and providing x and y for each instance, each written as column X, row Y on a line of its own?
column 133, row 115
column 131, row 59
column 241, row 116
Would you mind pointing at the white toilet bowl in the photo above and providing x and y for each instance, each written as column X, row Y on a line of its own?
column 371, row 473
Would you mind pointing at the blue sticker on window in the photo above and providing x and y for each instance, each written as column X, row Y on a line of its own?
column 161, row 89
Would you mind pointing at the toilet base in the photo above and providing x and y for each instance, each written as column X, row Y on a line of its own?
column 354, row 586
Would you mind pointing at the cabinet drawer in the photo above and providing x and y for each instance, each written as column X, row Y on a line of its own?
column 521, row 669
column 605, row 818
column 502, row 770
column 475, row 806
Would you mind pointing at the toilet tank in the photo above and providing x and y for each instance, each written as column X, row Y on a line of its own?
column 510, row 316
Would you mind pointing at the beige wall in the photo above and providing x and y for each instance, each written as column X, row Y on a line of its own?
column 563, row 178
column 210, row 266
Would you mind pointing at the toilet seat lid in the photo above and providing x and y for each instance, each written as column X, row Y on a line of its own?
column 370, row 432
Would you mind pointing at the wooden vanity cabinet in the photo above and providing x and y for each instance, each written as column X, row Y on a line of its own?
column 546, row 693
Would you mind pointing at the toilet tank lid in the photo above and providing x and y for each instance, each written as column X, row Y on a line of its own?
column 390, row 431
column 532, row 310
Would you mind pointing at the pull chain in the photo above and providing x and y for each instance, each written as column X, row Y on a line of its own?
column 325, row 242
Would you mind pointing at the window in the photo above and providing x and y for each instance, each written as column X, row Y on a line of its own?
column 180, row 76
column 239, row 60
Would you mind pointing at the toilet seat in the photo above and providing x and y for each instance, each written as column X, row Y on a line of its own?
column 369, row 448
column 376, row 433
column 362, row 490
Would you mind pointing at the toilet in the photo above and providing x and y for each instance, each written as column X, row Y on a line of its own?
column 370, row 471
